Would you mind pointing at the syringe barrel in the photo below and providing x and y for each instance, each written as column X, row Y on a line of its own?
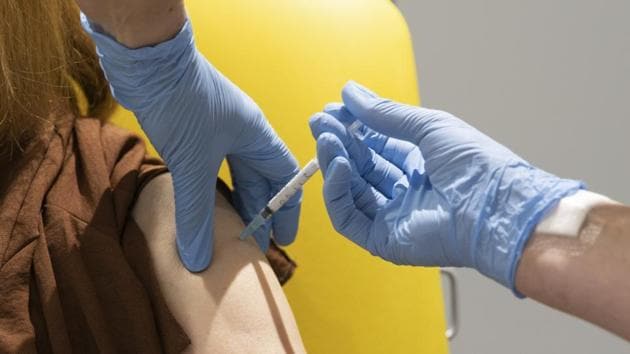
column 294, row 185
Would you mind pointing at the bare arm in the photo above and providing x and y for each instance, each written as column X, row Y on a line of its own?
column 137, row 23
column 235, row 305
column 587, row 275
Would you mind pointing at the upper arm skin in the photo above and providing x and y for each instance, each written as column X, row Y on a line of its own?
column 237, row 304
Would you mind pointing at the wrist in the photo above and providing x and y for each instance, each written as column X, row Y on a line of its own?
column 585, row 275
column 567, row 218
column 143, row 33
column 132, row 72
column 136, row 28
column 522, row 197
column 554, row 241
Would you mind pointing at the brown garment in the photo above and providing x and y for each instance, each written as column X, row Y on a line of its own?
column 75, row 272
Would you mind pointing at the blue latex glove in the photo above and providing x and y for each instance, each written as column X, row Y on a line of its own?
column 195, row 117
column 421, row 187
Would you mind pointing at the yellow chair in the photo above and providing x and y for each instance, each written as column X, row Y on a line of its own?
column 292, row 57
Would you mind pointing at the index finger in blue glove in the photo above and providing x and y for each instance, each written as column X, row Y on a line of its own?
column 251, row 193
column 346, row 218
column 285, row 223
column 379, row 172
column 268, row 157
column 399, row 152
column 366, row 198
column 393, row 119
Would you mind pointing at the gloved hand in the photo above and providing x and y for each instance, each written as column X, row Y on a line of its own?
column 195, row 117
column 421, row 187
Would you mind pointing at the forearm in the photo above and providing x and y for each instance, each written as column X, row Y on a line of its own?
column 585, row 276
column 137, row 23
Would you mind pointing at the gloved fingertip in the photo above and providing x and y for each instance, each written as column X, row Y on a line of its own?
column 262, row 236
column 360, row 89
column 333, row 107
column 314, row 118
column 329, row 140
column 358, row 100
column 327, row 123
column 314, row 123
column 337, row 192
column 195, row 261
column 382, row 115
column 285, row 237
column 339, row 169
column 285, row 225
column 195, row 241
column 341, row 113
column 328, row 147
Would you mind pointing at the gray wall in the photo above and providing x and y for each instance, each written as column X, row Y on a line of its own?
column 550, row 79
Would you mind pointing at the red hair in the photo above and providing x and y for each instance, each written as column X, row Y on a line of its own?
column 48, row 65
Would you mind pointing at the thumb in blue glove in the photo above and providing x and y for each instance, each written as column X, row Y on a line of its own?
column 422, row 187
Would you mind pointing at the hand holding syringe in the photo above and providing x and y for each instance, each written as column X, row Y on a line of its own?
column 288, row 191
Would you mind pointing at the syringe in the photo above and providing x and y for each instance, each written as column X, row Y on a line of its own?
column 288, row 191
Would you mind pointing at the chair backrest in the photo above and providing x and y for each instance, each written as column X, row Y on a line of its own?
column 292, row 57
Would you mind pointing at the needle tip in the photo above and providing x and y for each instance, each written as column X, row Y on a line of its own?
column 252, row 227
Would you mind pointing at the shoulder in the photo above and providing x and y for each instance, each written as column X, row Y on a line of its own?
column 233, row 305
column 154, row 212
column 154, row 209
